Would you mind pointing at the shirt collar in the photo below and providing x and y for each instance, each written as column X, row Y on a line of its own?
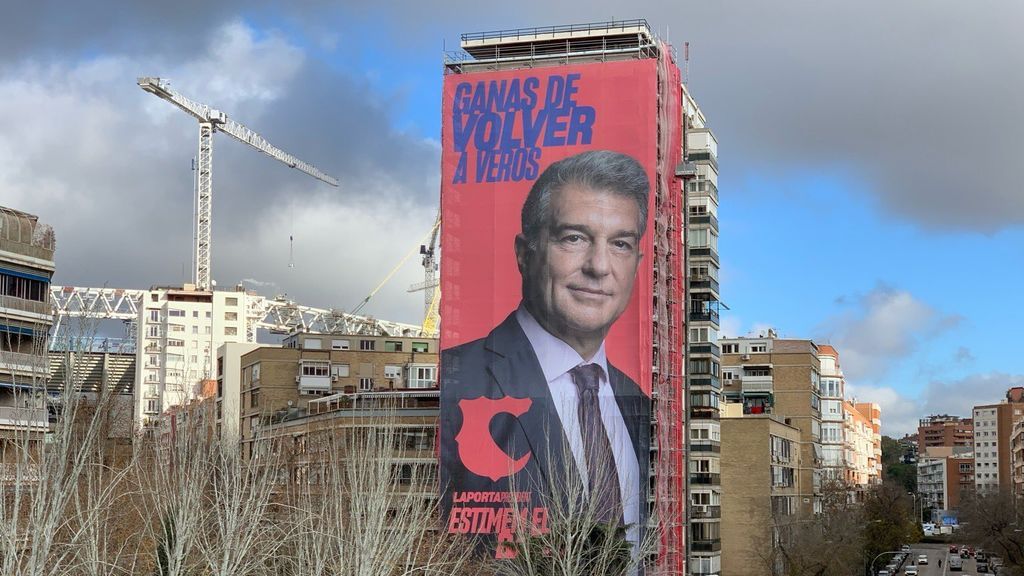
column 555, row 356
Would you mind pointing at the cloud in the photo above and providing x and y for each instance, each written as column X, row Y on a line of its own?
column 900, row 413
column 963, row 354
column 960, row 396
column 882, row 327
column 109, row 169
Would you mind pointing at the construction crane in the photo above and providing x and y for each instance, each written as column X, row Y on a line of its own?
column 431, row 294
column 212, row 120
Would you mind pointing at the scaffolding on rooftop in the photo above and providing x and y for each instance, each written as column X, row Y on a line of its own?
column 554, row 45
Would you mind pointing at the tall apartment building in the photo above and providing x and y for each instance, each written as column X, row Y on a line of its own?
column 179, row 331
column 278, row 383
column 873, row 412
column 26, row 267
column 993, row 428
column 944, row 475
column 859, row 459
column 702, row 350
column 834, row 450
column 761, row 463
column 777, row 376
column 1017, row 458
column 944, row 430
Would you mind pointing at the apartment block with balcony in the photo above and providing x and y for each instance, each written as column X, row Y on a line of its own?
column 761, row 464
column 993, row 430
column 781, row 377
column 833, row 435
column 944, row 430
column 944, row 475
column 26, row 268
column 278, row 383
column 702, row 350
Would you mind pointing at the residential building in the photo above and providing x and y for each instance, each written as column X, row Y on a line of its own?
column 908, row 448
column 993, row 428
column 97, row 373
column 778, row 376
column 944, row 430
column 761, row 472
column 702, row 350
column 859, row 459
column 179, row 330
column 411, row 415
column 833, row 415
column 26, row 268
column 944, row 475
column 311, row 366
column 228, row 401
column 1017, row 457
column 873, row 412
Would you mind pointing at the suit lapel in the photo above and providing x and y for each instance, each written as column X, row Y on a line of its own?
column 517, row 373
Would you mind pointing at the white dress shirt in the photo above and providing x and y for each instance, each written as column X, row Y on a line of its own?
column 556, row 360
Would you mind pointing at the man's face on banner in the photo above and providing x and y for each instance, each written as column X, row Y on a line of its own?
column 580, row 276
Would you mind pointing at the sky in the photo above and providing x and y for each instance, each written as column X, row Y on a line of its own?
column 869, row 159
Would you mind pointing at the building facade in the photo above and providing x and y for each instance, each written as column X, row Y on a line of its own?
column 835, row 452
column 944, row 475
column 178, row 333
column 993, row 430
column 278, row 383
column 761, row 463
column 859, row 459
column 26, row 268
column 778, row 376
column 702, row 350
column 944, row 430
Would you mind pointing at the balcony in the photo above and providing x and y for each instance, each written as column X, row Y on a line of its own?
column 34, row 307
column 705, row 446
column 314, row 383
column 702, row 219
column 702, row 511
column 24, row 418
column 28, row 365
column 704, row 413
column 756, row 384
column 704, row 252
column 704, row 316
column 706, row 380
column 705, row 348
column 705, row 478
column 706, row 545
column 703, row 282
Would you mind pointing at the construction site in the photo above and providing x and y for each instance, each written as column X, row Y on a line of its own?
column 266, row 369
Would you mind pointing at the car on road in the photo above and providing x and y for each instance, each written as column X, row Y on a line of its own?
column 884, row 572
column 953, row 548
column 910, row 571
column 965, row 553
column 905, row 549
column 922, row 559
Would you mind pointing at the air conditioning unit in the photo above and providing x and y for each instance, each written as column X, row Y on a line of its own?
column 745, row 357
column 334, row 378
column 700, row 510
column 298, row 379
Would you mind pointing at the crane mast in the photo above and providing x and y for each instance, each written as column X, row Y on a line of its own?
column 212, row 120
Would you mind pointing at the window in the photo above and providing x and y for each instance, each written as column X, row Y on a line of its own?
column 392, row 346
column 154, row 315
column 231, row 316
column 231, row 331
column 422, row 376
column 339, row 370
column 730, row 348
column 152, row 406
column 311, row 343
column 195, row 313
column 231, row 301
column 339, row 344
column 255, row 372
column 254, row 398
column 420, row 346
column 760, row 347
column 171, row 342
column 392, row 371
column 195, row 329
column 366, row 384
column 316, row 368
column 730, row 374
column 174, row 312
column 367, row 345
column 193, row 359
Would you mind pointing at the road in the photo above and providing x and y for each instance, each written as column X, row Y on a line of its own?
column 936, row 552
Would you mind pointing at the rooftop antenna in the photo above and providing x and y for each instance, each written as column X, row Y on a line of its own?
column 686, row 63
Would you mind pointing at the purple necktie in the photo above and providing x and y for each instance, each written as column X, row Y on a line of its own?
column 602, row 475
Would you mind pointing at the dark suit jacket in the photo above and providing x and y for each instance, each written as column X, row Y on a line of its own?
column 504, row 364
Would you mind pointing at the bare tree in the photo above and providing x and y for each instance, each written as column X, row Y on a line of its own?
column 992, row 520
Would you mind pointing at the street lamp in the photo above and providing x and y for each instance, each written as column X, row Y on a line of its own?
column 869, row 569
